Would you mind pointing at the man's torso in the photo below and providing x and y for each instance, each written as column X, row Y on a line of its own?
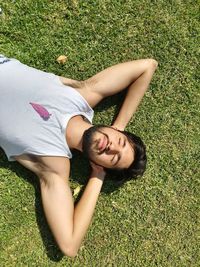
column 18, row 117
column 48, row 164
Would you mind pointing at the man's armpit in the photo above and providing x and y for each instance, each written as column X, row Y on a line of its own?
column 73, row 83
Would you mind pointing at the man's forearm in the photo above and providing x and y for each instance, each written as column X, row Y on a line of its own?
column 134, row 96
column 84, row 209
column 68, row 224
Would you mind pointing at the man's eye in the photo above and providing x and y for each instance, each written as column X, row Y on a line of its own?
column 113, row 159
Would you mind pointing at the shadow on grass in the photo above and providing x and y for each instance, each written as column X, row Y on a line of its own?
column 116, row 100
column 80, row 169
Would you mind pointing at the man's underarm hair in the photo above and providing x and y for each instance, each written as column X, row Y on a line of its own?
column 77, row 84
column 74, row 83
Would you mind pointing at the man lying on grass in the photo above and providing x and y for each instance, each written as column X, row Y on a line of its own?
column 44, row 116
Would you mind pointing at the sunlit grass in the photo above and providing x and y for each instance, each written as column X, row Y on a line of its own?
column 148, row 222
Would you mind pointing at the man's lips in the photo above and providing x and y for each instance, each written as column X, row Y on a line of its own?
column 102, row 144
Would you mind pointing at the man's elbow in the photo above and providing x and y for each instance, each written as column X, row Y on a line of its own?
column 152, row 63
column 69, row 251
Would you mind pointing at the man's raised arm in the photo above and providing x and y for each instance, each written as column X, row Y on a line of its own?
column 134, row 75
column 69, row 224
column 135, row 93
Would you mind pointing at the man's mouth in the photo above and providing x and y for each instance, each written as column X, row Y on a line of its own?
column 102, row 144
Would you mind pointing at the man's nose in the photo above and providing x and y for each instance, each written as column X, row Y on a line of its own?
column 112, row 148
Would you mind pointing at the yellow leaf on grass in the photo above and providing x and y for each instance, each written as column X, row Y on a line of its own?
column 61, row 59
column 76, row 190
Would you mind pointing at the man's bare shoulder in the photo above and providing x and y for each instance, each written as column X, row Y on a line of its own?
column 42, row 165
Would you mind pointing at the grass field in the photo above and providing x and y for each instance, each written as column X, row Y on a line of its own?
column 148, row 222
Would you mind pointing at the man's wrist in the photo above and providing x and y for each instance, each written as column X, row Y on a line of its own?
column 118, row 126
column 98, row 175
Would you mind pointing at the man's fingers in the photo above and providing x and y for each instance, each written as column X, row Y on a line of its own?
column 97, row 169
column 96, row 166
column 118, row 128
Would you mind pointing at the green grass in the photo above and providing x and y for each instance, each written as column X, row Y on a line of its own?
column 148, row 222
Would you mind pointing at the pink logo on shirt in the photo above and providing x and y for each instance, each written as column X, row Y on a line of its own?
column 43, row 112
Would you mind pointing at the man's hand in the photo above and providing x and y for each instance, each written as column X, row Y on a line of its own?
column 117, row 127
column 97, row 171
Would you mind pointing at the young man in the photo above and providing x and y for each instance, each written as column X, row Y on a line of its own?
column 43, row 117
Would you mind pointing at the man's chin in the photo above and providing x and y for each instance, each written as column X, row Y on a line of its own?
column 88, row 141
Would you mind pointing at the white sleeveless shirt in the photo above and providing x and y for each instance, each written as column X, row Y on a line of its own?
column 35, row 108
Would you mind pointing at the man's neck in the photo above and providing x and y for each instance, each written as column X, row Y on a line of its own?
column 75, row 130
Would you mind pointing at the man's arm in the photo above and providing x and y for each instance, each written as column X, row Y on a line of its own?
column 69, row 224
column 134, row 75
column 134, row 96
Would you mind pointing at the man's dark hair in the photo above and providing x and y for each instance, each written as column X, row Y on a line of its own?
column 138, row 166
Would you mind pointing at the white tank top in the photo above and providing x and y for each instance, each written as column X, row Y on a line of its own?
column 35, row 108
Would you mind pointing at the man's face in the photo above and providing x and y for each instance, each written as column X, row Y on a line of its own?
column 108, row 147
